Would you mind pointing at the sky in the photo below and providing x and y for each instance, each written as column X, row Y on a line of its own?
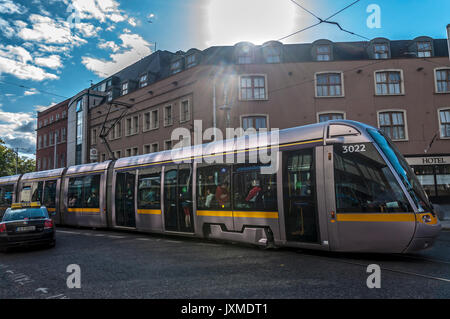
column 52, row 49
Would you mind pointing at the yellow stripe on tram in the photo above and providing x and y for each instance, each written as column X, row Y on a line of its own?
column 237, row 214
column 51, row 209
column 84, row 210
column 149, row 211
column 376, row 217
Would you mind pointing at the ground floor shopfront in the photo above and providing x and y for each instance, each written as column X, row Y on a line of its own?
column 434, row 174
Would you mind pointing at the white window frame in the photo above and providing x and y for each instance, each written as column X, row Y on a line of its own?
column 133, row 130
column 126, row 89
column 329, row 96
column 436, row 81
column 405, row 119
column 387, row 52
column 318, row 114
column 181, row 111
column 266, row 85
column 402, row 80
column 439, row 121
column 143, row 83
column 330, row 50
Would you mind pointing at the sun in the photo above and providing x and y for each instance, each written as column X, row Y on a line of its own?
column 256, row 21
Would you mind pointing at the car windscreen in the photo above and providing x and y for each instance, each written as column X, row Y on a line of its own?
column 26, row 213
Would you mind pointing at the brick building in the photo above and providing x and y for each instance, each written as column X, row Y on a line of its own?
column 51, row 136
column 403, row 87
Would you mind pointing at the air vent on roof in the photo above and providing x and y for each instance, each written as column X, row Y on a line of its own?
column 336, row 130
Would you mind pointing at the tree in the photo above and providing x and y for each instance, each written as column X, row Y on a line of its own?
column 8, row 162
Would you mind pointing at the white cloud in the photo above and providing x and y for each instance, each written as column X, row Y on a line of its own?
column 17, row 61
column 52, row 62
column 101, row 10
column 87, row 29
column 126, row 30
column 136, row 48
column 52, row 48
column 40, row 108
column 6, row 29
column 109, row 44
column 17, row 129
column 31, row 91
column 132, row 22
column 111, row 27
column 50, row 31
column 7, row 6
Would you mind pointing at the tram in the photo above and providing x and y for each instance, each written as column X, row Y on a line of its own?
column 337, row 186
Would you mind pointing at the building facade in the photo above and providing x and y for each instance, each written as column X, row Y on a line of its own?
column 51, row 137
column 402, row 87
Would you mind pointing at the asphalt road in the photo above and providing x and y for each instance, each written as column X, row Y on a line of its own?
column 130, row 265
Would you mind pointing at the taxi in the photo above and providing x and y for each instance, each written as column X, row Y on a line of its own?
column 26, row 224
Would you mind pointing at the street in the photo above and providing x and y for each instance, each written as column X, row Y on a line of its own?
column 133, row 265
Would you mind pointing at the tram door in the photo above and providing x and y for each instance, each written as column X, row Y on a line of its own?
column 125, row 194
column 299, row 195
column 178, row 214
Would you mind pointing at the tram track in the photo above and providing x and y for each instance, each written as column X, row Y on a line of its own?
column 393, row 270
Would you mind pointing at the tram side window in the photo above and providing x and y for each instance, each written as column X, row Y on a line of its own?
column 84, row 192
column 364, row 182
column 92, row 191
column 50, row 194
column 31, row 192
column 6, row 194
column 253, row 190
column 149, row 189
column 213, row 187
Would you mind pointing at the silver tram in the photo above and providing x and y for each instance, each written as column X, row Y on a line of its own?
column 338, row 186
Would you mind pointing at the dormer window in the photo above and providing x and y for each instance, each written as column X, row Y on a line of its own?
column 323, row 52
column 175, row 67
column 272, row 54
column 381, row 51
column 191, row 61
column 124, row 88
column 143, row 80
column 424, row 49
column 244, row 55
column 109, row 96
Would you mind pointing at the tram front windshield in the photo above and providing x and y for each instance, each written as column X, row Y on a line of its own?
column 402, row 168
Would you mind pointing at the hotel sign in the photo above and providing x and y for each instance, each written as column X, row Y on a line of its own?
column 430, row 160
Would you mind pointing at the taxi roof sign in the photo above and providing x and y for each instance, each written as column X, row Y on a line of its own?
column 26, row 205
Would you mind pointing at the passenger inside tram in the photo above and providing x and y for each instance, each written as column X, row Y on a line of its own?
column 223, row 195
column 93, row 199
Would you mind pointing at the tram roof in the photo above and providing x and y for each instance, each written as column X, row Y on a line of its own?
column 43, row 174
column 9, row 179
column 296, row 134
column 87, row 168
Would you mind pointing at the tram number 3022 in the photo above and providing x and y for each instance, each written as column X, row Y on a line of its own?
column 353, row 148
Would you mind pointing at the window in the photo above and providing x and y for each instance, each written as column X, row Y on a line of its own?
column 323, row 117
column 365, row 184
column 51, row 119
column 253, row 87
column 57, row 116
column 124, row 88
column 147, row 149
column 63, row 162
column 154, row 119
column 45, row 140
column 45, row 122
column 135, row 151
column 191, row 61
column 214, row 187
column 253, row 190
column 94, row 136
column 424, row 49
column 185, row 114
column 444, row 119
column 109, row 96
column 116, row 131
column 442, row 80
column 272, row 54
column 244, row 55
column 64, row 114
column 155, row 147
column 63, row 133
column 256, row 122
column 168, row 115
column 146, row 121
column 176, row 67
column 103, row 157
column 381, row 51
column 118, row 154
column 323, row 53
column 168, row 145
column 143, row 80
column 56, row 137
column 6, row 195
column 39, row 142
column 389, row 82
column 392, row 123
column 84, row 192
column 51, row 138
column 329, row 85
column 39, row 164
column 149, row 188
column 49, row 194
column 128, row 152
column 132, row 125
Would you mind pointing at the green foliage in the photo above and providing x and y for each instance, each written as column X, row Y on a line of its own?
column 8, row 162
